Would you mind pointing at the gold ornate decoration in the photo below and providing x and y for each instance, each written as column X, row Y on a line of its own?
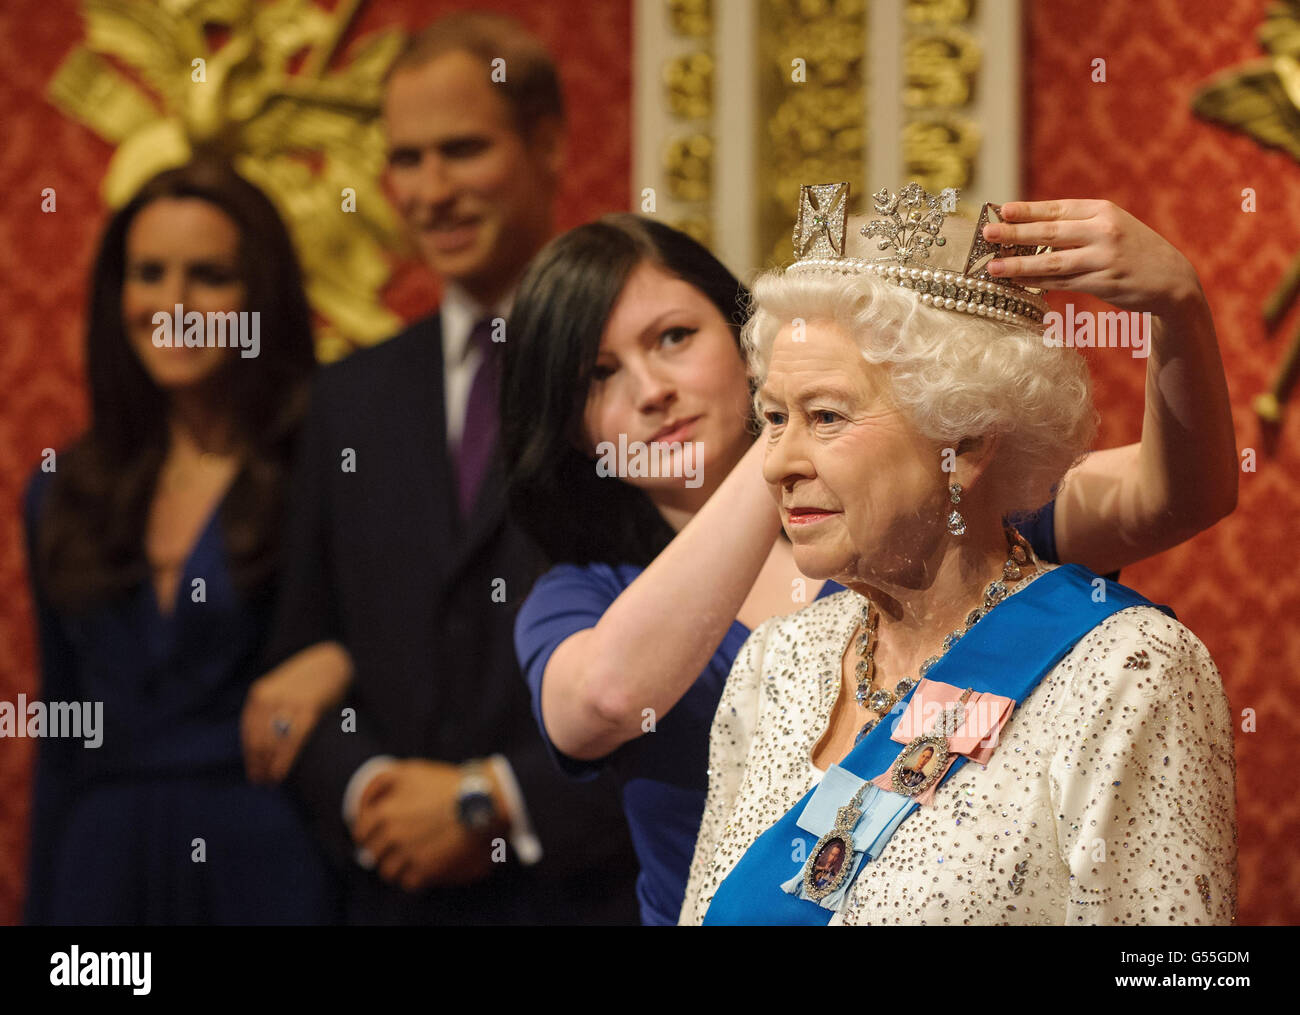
column 940, row 151
column 303, row 136
column 938, row 12
column 691, row 18
column 1261, row 98
column 814, row 128
column 689, row 161
column 941, row 67
column 942, row 62
column 688, row 81
column 689, row 78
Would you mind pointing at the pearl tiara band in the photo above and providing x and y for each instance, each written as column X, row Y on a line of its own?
column 941, row 256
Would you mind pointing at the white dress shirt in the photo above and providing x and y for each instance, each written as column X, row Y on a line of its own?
column 459, row 313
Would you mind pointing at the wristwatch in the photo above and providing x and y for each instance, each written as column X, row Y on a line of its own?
column 475, row 808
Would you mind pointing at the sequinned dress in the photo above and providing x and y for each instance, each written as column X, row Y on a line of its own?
column 1110, row 798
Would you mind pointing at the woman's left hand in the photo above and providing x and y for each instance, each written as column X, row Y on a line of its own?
column 1098, row 248
column 283, row 707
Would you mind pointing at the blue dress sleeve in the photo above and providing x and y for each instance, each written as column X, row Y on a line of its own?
column 1039, row 528
column 565, row 600
column 54, row 760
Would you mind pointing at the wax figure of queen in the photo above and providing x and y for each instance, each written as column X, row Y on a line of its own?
column 400, row 557
column 1103, row 785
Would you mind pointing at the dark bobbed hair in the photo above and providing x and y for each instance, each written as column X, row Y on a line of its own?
column 559, row 314
column 91, row 539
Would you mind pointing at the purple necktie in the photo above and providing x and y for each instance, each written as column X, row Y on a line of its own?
column 480, row 431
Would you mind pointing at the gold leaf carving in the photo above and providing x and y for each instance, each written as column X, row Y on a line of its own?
column 302, row 136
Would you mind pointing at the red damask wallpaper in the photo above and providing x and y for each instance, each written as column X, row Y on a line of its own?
column 1134, row 140
column 1131, row 139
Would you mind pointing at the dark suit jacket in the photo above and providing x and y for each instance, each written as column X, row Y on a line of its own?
column 377, row 559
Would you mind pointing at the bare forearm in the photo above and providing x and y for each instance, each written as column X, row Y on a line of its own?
column 1188, row 458
column 1123, row 504
column 654, row 640
column 328, row 663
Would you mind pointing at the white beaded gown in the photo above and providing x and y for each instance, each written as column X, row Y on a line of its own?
column 1110, row 798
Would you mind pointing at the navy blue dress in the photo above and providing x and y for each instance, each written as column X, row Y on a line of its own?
column 664, row 774
column 114, row 827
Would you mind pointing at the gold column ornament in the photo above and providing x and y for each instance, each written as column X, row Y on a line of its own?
column 310, row 138
column 1261, row 98
column 812, row 96
column 942, row 62
column 688, row 84
column 691, row 18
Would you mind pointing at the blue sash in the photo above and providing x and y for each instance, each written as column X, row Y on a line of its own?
column 1007, row 653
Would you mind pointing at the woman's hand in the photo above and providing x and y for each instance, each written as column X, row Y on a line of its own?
column 283, row 707
column 1100, row 249
column 1120, row 505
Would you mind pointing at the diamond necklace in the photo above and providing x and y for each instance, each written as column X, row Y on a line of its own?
column 881, row 700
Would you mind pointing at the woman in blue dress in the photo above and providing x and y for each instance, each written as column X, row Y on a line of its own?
column 625, row 335
column 152, row 544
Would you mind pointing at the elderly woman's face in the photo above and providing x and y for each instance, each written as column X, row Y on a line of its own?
column 862, row 494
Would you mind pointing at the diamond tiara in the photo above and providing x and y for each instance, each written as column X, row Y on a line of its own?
column 941, row 256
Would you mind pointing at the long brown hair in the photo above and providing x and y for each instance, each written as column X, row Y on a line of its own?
column 90, row 546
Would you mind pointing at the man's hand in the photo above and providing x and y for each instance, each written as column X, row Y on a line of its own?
column 283, row 707
column 407, row 821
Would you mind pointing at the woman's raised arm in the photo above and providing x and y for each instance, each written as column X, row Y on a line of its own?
column 1123, row 504
column 655, row 639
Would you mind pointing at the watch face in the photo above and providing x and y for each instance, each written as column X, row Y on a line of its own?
column 476, row 811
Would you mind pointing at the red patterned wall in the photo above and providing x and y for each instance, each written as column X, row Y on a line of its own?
column 1131, row 139
column 1134, row 140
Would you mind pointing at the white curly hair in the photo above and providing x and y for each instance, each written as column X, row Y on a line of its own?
column 952, row 375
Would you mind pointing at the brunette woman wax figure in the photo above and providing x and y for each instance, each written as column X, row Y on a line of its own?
column 152, row 548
